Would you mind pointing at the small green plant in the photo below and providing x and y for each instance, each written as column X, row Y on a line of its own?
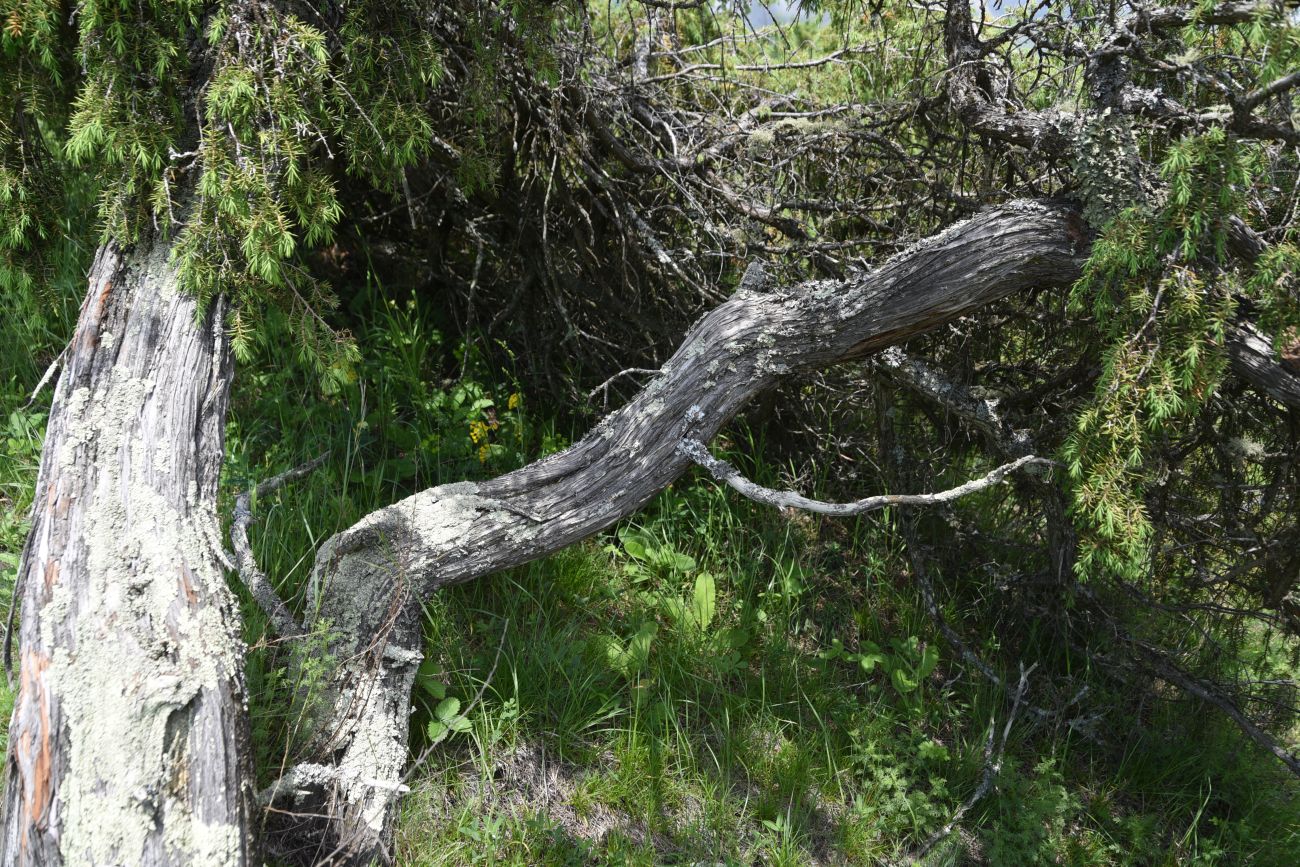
column 629, row 658
column 441, row 712
column 695, row 612
column 785, row 847
column 294, row 695
column 447, row 720
column 907, row 663
column 648, row 559
column 1033, row 814
column 902, row 789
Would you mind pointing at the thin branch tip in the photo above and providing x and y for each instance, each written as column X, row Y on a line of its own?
column 698, row 453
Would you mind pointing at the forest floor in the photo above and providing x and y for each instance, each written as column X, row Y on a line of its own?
column 710, row 682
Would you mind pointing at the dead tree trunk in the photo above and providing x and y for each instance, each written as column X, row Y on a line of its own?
column 369, row 580
column 128, row 742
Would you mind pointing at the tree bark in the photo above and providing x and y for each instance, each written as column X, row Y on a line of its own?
column 128, row 743
column 1254, row 358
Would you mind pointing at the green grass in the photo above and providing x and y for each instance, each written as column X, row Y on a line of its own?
column 710, row 682
column 780, row 755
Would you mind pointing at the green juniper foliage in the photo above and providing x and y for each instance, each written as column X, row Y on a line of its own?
column 226, row 126
column 1162, row 286
column 33, row 90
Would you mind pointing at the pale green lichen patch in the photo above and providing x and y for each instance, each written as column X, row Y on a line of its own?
column 370, row 771
column 354, row 587
column 142, row 637
column 202, row 842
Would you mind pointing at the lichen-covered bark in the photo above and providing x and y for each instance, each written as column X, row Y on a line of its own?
column 128, row 740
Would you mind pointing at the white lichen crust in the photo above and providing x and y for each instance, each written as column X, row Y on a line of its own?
column 131, row 654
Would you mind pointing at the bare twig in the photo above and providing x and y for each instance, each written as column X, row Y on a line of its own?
column 49, row 374
column 992, row 767
column 253, row 578
column 725, row 472
column 478, row 698
column 1162, row 666
column 604, row 386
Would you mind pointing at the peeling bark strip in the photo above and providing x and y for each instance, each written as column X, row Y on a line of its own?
column 369, row 579
column 128, row 741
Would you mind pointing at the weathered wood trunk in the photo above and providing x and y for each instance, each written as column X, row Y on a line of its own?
column 128, row 742
column 370, row 579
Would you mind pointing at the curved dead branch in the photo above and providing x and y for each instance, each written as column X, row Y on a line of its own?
column 369, row 579
column 250, row 574
column 725, row 472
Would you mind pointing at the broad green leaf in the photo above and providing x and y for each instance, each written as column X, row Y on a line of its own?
column 678, row 561
column 929, row 661
column 429, row 677
column 638, row 649
column 629, row 660
column 635, row 545
column 902, row 682
column 705, row 600
column 869, row 660
column 734, row 638
column 676, row 609
column 447, row 708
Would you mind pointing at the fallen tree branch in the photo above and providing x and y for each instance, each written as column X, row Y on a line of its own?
column 252, row 577
column 725, row 472
column 369, row 580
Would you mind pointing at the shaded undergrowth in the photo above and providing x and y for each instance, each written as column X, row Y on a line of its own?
column 713, row 681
